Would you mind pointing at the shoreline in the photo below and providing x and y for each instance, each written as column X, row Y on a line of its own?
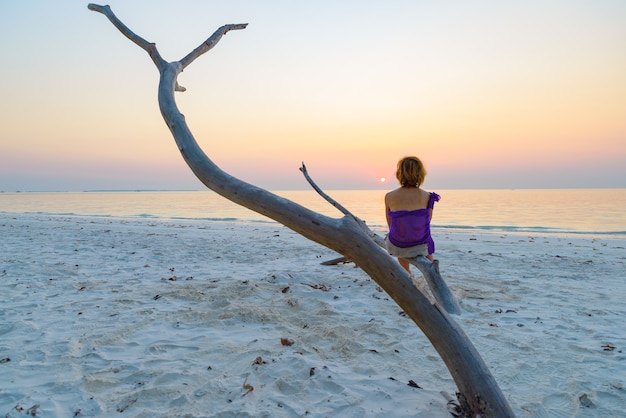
column 530, row 232
column 171, row 318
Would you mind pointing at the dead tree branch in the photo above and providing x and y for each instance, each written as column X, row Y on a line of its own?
column 377, row 239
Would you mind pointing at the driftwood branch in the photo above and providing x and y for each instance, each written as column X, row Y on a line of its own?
column 375, row 237
column 476, row 385
column 150, row 48
column 210, row 43
column 324, row 195
column 438, row 286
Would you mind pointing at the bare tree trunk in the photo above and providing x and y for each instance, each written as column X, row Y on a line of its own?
column 479, row 392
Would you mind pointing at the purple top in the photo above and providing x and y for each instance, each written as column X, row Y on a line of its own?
column 412, row 227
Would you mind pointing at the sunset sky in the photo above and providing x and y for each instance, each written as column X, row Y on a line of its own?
column 489, row 94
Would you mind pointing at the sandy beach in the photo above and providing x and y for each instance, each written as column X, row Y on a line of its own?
column 143, row 318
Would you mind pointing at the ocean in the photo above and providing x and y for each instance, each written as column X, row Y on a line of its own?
column 586, row 212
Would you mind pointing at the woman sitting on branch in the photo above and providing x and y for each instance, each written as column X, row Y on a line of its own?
column 409, row 210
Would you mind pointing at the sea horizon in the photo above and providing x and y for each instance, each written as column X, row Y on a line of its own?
column 590, row 212
column 139, row 190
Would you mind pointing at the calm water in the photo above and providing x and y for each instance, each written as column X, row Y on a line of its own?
column 563, row 211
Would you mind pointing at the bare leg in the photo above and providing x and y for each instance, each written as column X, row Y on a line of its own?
column 405, row 264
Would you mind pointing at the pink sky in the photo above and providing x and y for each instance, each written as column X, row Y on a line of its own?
column 489, row 95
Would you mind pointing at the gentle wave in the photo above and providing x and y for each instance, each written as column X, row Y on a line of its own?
column 236, row 220
column 530, row 230
column 146, row 216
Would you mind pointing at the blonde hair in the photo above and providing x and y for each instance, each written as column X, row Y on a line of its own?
column 410, row 172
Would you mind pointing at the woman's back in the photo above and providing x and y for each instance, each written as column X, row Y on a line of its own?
column 408, row 210
column 406, row 198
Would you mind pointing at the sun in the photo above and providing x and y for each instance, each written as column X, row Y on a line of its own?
column 382, row 179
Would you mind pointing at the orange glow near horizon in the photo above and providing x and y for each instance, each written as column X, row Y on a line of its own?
column 513, row 95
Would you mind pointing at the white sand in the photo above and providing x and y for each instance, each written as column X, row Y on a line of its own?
column 138, row 318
